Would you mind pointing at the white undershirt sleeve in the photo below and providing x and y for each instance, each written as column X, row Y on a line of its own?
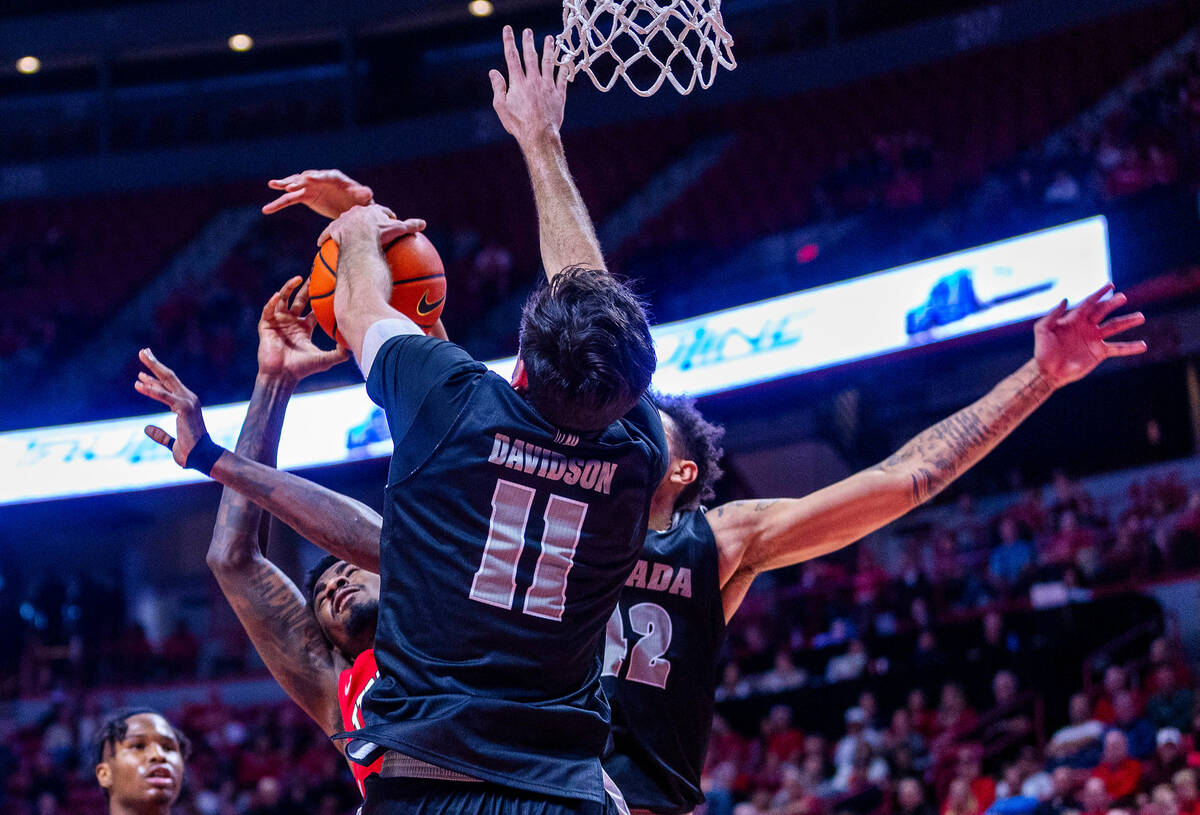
column 380, row 332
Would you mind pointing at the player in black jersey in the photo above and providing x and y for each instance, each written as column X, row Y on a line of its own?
column 520, row 510
column 663, row 640
column 696, row 566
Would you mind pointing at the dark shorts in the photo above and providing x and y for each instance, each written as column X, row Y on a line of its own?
column 400, row 796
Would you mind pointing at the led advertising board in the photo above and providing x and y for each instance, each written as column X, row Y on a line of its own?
column 881, row 313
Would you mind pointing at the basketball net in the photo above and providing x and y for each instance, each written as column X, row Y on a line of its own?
column 609, row 40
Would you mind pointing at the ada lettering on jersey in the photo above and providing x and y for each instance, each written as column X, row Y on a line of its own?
column 661, row 577
column 517, row 454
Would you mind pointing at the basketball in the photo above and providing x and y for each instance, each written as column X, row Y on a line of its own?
column 418, row 282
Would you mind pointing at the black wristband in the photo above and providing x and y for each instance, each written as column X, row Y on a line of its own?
column 204, row 455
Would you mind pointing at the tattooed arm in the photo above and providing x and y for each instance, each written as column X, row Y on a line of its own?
column 345, row 528
column 757, row 536
column 270, row 607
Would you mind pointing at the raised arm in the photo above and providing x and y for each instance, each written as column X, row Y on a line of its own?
column 757, row 536
column 530, row 106
column 364, row 284
column 268, row 604
column 347, row 529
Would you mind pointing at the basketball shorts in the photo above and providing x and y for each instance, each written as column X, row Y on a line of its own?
column 410, row 796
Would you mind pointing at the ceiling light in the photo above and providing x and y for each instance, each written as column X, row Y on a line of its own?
column 241, row 42
column 480, row 8
column 29, row 65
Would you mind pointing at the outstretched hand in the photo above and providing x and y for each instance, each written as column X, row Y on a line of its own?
column 532, row 103
column 285, row 346
column 325, row 192
column 381, row 220
column 1070, row 343
column 162, row 385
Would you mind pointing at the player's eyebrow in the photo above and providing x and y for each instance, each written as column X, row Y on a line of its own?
column 338, row 570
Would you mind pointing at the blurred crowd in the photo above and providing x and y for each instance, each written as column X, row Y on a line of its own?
column 1125, row 745
column 924, row 633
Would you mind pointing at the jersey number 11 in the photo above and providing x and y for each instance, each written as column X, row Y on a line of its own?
column 495, row 582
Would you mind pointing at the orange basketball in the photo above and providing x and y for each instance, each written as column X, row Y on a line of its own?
column 418, row 282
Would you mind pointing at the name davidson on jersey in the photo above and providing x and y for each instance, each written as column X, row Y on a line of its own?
column 516, row 454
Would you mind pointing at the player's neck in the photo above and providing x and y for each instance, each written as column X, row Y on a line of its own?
column 118, row 808
column 662, row 511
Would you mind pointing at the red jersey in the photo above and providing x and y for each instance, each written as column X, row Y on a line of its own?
column 353, row 685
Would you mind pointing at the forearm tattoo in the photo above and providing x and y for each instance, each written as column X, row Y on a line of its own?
column 943, row 452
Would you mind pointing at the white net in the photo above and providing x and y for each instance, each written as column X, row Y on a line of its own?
column 645, row 42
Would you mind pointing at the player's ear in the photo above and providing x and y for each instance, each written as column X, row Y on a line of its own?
column 104, row 775
column 520, row 379
column 683, row 472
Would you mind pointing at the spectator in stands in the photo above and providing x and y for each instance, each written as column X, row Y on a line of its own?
column 732, row 686
column 997, row 648
column 1078, row 744
column 1138, row 731
column 1065, row 782
column 784, row 675
column 1167, row 760
column 1116, row 680
column 1094, row 798
column 1011, row 560
column 954, row 714
column 959, row 800
column 850, row 665
column 1163, row 801
column 970, row 769
column 1169, row 705
column 1011, row 798
column 911, row 798
column 902, row 735
column 783, row 740
column 1005, row 697
column 1187, row 791
column 1117, row 770
column 857, row 733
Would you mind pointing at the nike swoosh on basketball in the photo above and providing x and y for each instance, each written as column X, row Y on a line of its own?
column 425, row 307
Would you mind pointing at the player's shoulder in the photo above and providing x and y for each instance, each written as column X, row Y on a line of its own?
column 689, row 534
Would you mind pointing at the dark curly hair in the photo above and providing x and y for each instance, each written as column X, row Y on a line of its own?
column 114, row 729
column 698, row 440
column 585, row 342
column 314, row 574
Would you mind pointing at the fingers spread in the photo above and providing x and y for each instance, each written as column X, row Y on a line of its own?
column 1057, row 311
column 161, row 436
column 531, row 57
column 284, row 201
column 548, row 59
column 151, row 388
column 1125, row 349
column 1125, row 322
column 511, row 58
column 268, row 311
column 285, row 294
column 1107, row 307
column 499, row 88
column 1094, row 298
column 165, row 374
column 301, row 301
